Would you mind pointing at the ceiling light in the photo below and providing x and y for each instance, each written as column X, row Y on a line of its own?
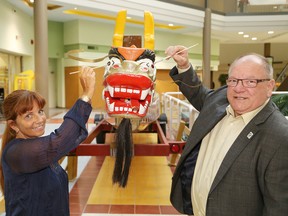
column 270, row 32
column 170, row 24
column 246, row 36
column 128, row 17
column 240, row 33
column 254, row 38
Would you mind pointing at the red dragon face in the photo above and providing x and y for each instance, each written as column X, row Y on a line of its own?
column 129, row 82
column 129, row 77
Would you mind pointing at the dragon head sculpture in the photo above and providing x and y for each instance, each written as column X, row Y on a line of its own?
column 129, row 78
column 129, row 94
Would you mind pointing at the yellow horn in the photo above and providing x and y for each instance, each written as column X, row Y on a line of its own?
column 119, row 29
column 148, row 30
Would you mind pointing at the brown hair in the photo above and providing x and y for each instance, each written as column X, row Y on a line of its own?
column 17, row 103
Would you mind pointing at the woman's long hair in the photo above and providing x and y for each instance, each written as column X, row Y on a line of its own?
column 16, row 103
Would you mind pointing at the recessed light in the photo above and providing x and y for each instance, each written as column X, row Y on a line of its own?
column 254, row 38
column 270, row 32
column 246, row 36
column 240, row 33
column 170, row 24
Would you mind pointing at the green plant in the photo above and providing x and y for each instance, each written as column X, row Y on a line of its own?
column 281, row 100
column 222, row 79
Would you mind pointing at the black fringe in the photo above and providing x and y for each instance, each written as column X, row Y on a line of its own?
column 124, row 153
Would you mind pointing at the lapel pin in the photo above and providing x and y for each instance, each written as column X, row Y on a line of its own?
column 250, row 135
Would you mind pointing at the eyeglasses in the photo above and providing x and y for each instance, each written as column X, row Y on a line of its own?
column 248, row 83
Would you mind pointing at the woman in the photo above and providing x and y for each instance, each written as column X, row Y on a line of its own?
column 34, row 181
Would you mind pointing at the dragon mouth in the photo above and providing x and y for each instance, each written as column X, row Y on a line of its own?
column 127, row 95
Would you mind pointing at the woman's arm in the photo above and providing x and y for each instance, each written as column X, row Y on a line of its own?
column 30, row 155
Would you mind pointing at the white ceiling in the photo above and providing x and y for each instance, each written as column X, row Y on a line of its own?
column 224, row 28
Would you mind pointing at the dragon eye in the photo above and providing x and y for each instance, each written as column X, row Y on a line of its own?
column 146, row 65
column 114, row 63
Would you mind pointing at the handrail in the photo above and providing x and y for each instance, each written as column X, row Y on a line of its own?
column 281, row 77
column 175, row 109
column 279, row 92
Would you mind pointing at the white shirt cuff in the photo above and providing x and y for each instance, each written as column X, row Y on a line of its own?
column 181, row 70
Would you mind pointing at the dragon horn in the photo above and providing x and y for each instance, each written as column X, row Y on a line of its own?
column 119, row 29
column 148, row 30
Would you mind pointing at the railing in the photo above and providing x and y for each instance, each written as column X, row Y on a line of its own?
column 279, row 92
column 229, row 7
column 177, row 109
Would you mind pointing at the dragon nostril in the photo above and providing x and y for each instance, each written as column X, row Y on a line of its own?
column 128, row 100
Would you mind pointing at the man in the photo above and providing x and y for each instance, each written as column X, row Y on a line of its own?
column 235, row 161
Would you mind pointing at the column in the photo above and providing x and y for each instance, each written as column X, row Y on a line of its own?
column 41, row 50
column 207, row 48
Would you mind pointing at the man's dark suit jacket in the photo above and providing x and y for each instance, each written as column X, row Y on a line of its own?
column 253, row 177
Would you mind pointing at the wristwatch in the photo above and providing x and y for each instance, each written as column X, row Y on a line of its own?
column 86, row 98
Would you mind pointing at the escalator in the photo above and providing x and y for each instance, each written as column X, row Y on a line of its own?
column 282, row 80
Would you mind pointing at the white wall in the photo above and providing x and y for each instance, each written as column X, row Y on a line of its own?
column 17, row 30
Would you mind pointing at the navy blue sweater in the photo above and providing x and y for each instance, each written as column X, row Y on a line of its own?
column 35, row 184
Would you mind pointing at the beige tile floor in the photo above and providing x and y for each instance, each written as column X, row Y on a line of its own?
column 148, row 183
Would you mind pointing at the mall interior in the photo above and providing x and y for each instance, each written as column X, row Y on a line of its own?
column 36, row 42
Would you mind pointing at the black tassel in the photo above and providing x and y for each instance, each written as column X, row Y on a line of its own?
column 124, row 153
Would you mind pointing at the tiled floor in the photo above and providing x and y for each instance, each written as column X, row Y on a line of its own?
column 94, row 183
column 147, row 198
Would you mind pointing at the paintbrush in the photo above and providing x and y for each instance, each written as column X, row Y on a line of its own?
column 167, row 57
column 76, row 72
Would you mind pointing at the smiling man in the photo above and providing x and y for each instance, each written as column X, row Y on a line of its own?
column 235, row 159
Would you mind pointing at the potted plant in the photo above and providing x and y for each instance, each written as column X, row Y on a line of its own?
column 281, row 100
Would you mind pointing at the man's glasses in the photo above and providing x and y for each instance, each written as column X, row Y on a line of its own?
column 248, row 83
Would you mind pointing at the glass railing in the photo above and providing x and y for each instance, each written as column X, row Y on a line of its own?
column 236, row 7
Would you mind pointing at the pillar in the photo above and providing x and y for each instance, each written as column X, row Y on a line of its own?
column 41, row 50
column 207, row 48
column 267, row 49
